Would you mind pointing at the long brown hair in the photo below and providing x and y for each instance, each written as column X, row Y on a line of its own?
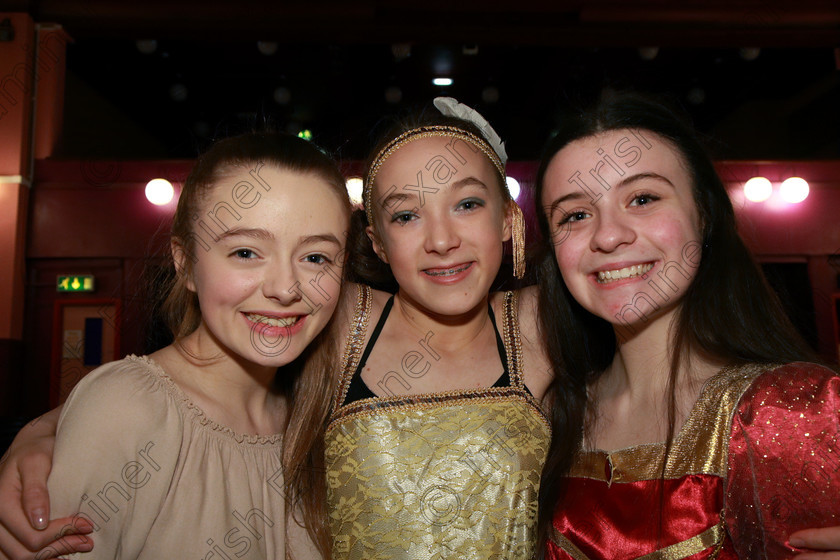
column 305, row 381
column 728, row 302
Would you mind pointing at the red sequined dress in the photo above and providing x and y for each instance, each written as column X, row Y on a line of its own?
column 757, row 459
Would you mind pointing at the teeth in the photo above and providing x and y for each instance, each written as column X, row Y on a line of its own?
column 605, row 276
column 449, row 272
column 272, row 321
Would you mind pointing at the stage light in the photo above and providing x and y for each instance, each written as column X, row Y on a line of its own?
column 490, row 94
column 696, row 96
column 442, row 81
column 354, row 189
column 267, row 48
column 648, row 53
column 159, row 192
column 282, row 95
column 393, row 95
column 513, row 187
column 794, row 190
column 178, row 92
column 749, row 53
column 146, row 46
column 758, row 189
column 401, row 51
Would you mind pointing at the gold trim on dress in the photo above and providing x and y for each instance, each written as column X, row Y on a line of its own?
column 713, row 536
column 567, row 546
column 511, row 338
column 355, row 346
column 355, row 343
column 699, row 448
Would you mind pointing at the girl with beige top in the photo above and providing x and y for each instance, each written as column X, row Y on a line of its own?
column 179, row 454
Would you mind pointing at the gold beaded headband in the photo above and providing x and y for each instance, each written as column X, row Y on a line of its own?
column 417, row 134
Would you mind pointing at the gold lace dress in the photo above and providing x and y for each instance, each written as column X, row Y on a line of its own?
column 433, row 476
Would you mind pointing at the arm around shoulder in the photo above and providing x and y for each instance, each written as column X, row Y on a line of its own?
column 118, row 442
column 25, row 528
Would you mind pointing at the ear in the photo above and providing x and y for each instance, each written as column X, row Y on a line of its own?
column 377, row 245
column 507, row 231
column 183, row 266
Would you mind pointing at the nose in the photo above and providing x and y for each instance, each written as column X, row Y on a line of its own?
column 612, row 230
column 281, row 283
column 441, row 235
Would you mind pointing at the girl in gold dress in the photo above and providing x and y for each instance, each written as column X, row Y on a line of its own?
column 436, row 438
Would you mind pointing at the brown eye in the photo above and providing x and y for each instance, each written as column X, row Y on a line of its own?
column 643, row 199
column 573, row 217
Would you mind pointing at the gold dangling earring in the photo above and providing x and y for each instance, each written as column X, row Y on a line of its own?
column 518, row 227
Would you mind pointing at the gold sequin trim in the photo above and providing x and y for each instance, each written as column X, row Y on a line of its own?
column 712, row 536
column 418, row 134
column 567, row 546
column 701, row 447
column 511, row 338
column 355, row 343
column 378, row 405
column 513, row 348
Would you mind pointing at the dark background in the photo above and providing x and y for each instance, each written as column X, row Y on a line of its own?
column 761, row 77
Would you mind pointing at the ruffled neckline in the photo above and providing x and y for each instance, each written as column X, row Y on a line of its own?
column 199, row 415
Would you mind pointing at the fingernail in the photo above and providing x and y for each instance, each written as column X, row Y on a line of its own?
column 39, row 519
column 796, row 541
column 85, row 547
column 83, row 526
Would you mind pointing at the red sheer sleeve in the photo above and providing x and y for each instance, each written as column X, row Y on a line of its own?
column 784, row 459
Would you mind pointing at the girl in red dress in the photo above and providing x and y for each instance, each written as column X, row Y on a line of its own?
column 688, row 421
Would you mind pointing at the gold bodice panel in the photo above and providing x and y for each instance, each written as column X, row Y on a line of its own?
column 436, row 476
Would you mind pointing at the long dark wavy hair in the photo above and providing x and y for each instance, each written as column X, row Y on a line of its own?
column 721, row 315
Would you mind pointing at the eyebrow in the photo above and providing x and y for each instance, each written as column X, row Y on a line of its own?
column 466, row 182
column 577, row 195
column 393, row 200
column 645, row 175
column 254, row 233
column 262, row 234
column 324, row 237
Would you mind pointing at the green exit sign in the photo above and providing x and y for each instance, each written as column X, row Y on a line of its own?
column 82, row 283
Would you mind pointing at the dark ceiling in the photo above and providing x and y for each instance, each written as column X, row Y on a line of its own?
column 759, row 77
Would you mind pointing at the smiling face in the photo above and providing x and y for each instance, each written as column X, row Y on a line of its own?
column 627, row 247
column 440, row 231
column 270, row 283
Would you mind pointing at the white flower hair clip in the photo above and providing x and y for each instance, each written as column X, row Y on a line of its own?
column 451, row 107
